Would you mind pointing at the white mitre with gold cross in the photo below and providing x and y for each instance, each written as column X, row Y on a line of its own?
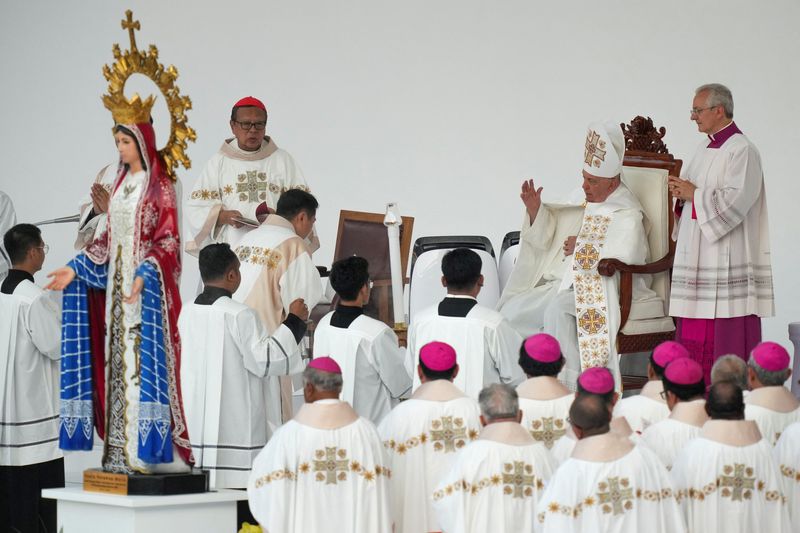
column 604, row 150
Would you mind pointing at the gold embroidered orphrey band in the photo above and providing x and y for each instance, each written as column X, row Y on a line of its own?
column 591, row 311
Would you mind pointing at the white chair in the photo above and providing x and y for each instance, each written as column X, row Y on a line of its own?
column 509, row 253
column 425, row 288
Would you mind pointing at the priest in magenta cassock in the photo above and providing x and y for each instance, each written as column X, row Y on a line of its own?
column 243, row 180
column 324, row 470
column 722, row 274
column 423, row 435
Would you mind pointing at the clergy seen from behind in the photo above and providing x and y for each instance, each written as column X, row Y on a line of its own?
column 649, row 406
column 276, row 270
column 325, row 469
column 787, row 456
column 423, row 435
column 30, row 333
column 543, row 399
column 495, row 482
column 683, row 390
column 771, row 405
column 727, row 479
column 609, row 483
column 372, row 361
column 732, row 368
column 484, row 341
column 227, row 355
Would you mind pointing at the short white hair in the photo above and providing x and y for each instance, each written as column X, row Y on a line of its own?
column 498, row 401
column 718, row 94
column 323, row 381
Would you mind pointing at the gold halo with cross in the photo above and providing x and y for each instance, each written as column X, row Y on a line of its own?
column 134, row 61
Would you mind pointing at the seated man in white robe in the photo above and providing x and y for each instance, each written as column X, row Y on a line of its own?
column 598, row 382
column 684, row 388
column 649, row 407
column 731, row 368
column 325, row 469
column 771, row 405
column 609, row 483
column 544, row 401
column 726, row 479
column 372, row 361
column 556, row 277
column 277, row 269
column 30, row 333
column 787, row 456
column 495, row 482
column 484, row 341
column 227, row 353
column 422, row 436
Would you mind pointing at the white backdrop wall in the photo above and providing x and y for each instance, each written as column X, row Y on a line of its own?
column 443, row 106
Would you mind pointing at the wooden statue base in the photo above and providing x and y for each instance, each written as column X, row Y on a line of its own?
column 96, row 480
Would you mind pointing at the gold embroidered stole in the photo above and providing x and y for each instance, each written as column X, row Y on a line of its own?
column 591, row 311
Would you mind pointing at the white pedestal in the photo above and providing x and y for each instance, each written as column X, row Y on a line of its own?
column 93, row 512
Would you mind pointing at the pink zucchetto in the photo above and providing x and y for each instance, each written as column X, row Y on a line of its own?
column 684, row 371
column 543, row 348
column 597, row 380
column 771, row 356
column 325, row 364
column 668, row 351
column 438, row 356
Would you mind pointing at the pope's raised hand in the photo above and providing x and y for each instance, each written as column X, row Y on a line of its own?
column 532, row 198
column 61, row 277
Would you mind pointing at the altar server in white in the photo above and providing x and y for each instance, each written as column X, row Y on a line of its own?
column 7, row 219
column 544, row 401
column 372, row 361
column 423, row 435
column 684, row 388
column 277, row 269
column 649, row 406
column 325, row 470
column 242, row 182
column 30, row 335
column 495, row 482
column 486, row 343
column 609, row 483
column 787, row 456
column 727, row 480
column 227, row 353
column 771, row 405
column 556, row 286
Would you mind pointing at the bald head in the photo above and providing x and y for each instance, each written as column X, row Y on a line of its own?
column 725, row 402
column 589, row 415
column 731, row 368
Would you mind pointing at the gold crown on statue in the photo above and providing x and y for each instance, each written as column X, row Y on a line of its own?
column 133, row 111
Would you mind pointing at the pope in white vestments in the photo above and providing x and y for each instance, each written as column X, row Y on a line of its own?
column 227, row 354
column 372, row 361
column 649, row 406
column 30, row 333
column 423, row 435
column 486, row 343
column 771, row 405
column 684, row 387
column 726, row 479
column 495, row 482
column 242, row 182
column 787, row 456
column 609, row 483
column 544, row 401
column 325, row 470
column 555, row 287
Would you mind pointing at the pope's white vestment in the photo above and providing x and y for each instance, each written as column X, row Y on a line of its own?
column 727, row 480
column 787, row 457
column 668, row 437
column 227, row 353
column 773, row 409
column 325, row 470
column 30, row 334
column 545, row 404
column 645, row 408
column 422, row 437
column 487, row 346
column 372, row 362
column 609, row 484
column 494, row 483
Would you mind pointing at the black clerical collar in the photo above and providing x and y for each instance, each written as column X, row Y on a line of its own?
column 211, row 295
column 456, row 306
column 344, row 315
column 14, row 278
